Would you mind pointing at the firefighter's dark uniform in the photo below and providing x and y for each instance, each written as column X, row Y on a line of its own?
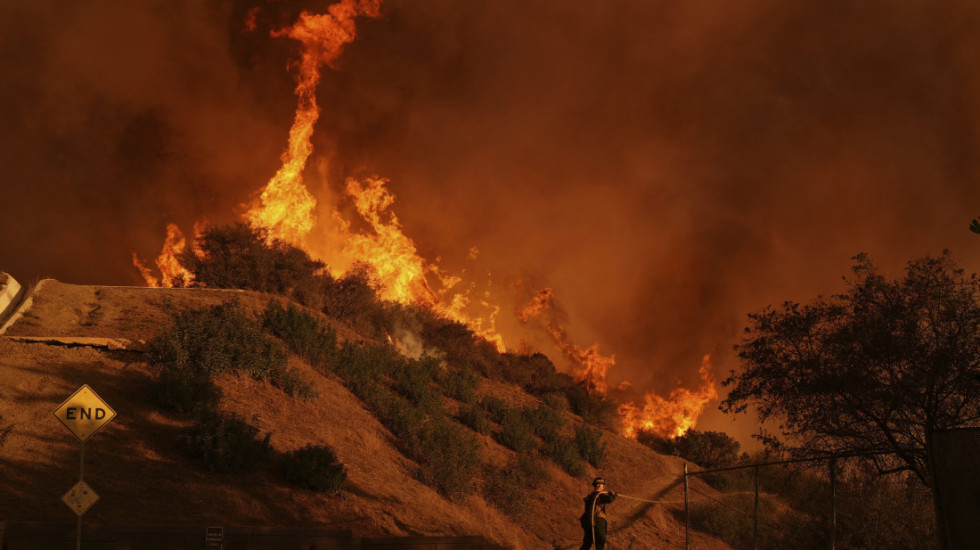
column 595, row 505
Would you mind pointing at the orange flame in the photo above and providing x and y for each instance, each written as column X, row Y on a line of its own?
column 172, row 273
column 286, row 207
column 591, row 367
column 675, row 415
column 671, row 416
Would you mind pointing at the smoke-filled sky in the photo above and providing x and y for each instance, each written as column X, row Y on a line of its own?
column 667, row 167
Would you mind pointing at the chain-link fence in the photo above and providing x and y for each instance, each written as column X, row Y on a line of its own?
column 833, row 502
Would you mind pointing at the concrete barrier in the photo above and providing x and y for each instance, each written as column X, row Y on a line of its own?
column 9, row 290
column 18, row 304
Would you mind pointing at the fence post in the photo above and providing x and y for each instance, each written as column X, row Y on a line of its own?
column 833, row 503
column 687, row 514
column 755, row 513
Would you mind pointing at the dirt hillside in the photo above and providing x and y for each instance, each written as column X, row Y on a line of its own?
column 73, row 335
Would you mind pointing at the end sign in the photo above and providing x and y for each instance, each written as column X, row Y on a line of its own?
column 84, row 413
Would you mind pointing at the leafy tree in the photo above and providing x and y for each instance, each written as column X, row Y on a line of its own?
column 875, row 369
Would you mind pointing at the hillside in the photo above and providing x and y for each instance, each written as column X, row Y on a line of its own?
column 71, row 335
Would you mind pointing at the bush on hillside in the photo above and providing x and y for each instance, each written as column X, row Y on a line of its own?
column 303, row 333
column 594, row 408
column 556, row 401
column 226, row 443
column 220, row 339
column 544, row 421
column 590, row 447
column 401, row 417
column 516, row 432
column 507, row 488
column 243, row 256
column 563, row 452
column 414, row 381
column 359, row 363
column 186, row 390
column 448, row 458
column 314, row 467
column 292, row 383
column 460, row 383
column 475, row 417
column 352, row 299
column 496, row 408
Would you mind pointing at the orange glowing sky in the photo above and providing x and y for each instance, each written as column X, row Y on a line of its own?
column 665, row 167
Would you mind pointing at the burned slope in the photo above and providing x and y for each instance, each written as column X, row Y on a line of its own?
column 140, row 467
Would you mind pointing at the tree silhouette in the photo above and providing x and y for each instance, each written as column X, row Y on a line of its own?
column 875, row 369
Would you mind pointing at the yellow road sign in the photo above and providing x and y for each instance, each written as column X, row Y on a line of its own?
column 84, row 413
column 80, row 498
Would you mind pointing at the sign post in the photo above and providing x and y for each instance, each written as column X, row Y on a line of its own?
column 84, row 413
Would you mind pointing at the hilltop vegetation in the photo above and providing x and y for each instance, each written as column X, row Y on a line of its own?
column 432, row 403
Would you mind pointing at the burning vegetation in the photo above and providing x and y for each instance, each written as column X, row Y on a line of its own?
column 343, row 259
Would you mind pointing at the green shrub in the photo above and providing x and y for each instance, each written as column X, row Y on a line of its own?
column 507, row 488
column 460, row 384
column 352, row 299
column 448, row 458
column 314, row 467
column 215, row 340
column 515, row 432
column 590, row 447
column 226, row 443
column 545, row 422
column 360, row 363
column 497, row 408
column 414, row 381
column 186, row 390
column 242, row 256
column 556, row 401
column 291, row 382
column 594, row 408
column 220, row 339
column 305, row 335
column 403, row 419
column 475, row 417
column 563, row 452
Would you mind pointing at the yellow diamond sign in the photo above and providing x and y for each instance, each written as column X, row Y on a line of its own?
column 84, row 413
column 80, row 498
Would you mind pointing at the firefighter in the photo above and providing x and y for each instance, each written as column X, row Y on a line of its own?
column 593, row 520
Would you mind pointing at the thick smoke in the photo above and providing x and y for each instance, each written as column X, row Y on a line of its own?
column 665, row 167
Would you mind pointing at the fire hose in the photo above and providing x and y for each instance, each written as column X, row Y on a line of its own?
column 630, row 497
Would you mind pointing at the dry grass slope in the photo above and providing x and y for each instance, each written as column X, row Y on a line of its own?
column 136, row 464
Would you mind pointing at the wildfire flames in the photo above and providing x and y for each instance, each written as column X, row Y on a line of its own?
column 670, row 417
column 288, row 211
column 172, row 273
column 676, row 414
column 592, row 366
